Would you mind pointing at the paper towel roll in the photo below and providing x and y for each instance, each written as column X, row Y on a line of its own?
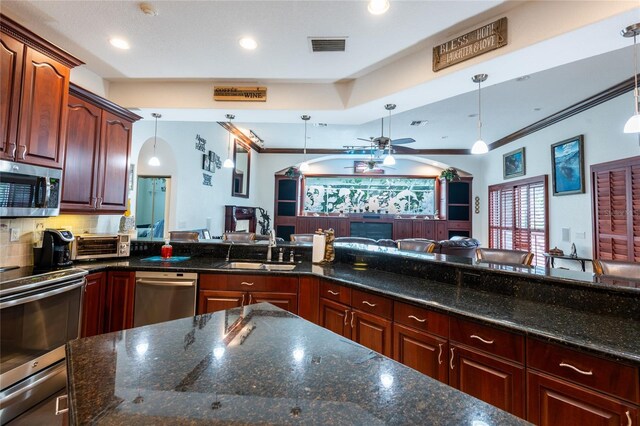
column 317, row 254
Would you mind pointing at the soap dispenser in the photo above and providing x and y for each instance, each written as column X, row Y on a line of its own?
column 166, row 251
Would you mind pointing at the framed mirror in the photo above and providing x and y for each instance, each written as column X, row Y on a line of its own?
column 242, row 161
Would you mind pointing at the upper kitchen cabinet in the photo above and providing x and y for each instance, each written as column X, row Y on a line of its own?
column 34, row 83
column 97, row 154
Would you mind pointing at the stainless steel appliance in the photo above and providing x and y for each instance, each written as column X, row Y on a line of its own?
column 164, row 296
column 27, row 190
column 39, row 314
column 97, row 246
column 55, row 252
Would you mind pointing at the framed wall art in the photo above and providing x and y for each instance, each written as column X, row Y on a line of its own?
column 567, row 166
column 513, row 164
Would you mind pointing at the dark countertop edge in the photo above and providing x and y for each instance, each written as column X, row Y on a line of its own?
column 540, row 334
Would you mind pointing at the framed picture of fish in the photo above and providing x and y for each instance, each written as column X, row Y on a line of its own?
column 513, row 164
column 567, row 166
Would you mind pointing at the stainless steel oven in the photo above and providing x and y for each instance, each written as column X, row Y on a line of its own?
column 39, row 314
column 27, row 190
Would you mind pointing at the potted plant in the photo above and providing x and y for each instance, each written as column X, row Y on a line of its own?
column 450, row 174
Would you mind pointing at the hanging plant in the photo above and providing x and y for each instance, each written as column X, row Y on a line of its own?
column 292, row 172
column 450, row 174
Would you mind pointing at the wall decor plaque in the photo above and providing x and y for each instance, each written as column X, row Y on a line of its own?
column 239, row 94
column 474, row 43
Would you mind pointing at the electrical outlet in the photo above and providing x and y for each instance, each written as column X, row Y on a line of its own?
column 14, row 234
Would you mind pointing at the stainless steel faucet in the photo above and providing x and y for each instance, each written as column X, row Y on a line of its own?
column 229, row 251
column 272, row 243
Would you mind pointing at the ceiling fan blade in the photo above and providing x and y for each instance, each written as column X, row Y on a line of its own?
column 366, row 140
column 402, row 141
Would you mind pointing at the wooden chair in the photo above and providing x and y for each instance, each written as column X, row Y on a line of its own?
column 183, row 235
column 501, row 256
column 616, row 268
column 416, row 244
column 239, row 236
column 302, row 238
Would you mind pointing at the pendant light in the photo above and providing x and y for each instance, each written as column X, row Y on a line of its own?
column 480, row 147
column 389, row 160
column 155, row 161
column 228, row 163
column 304, row 166
column 633, row 124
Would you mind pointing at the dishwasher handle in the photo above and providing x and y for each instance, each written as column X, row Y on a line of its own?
column 165, row 283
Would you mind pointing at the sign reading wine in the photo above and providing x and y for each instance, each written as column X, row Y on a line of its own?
column 474, row 43
column 239, row 94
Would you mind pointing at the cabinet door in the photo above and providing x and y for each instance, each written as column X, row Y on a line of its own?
column 214, row 300
column 371, row 331
column 335, row 317
column 43, row 110
column 417, row 227
column 309, row 298
column 489, row 379
column 556, row 402
column 93, row 305
column 402, row 228
column 120, row 290
column 11, row 60
column 79, row 182
column 421, row 351
column 115, row 144
column 286, row 301
column 442, row 231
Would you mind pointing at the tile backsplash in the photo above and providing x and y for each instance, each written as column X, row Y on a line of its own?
column 29, row 232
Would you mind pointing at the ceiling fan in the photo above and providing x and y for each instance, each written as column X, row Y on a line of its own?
column 374, row 163
column 383, row 141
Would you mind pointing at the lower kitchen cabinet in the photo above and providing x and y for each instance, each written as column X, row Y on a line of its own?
column 93, row 304
column 286, row 301
column 309, row 299
column 424, row 352
column 488, row 378
column 212, row 301
column 335, row 317
column 371, row 331
column 119, row 302
column 556, row 402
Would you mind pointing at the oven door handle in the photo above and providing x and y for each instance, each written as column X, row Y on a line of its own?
column 30, row 386
column 185, row 283
column 39, row 296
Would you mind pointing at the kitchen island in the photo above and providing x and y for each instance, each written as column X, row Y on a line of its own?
column 256, row 364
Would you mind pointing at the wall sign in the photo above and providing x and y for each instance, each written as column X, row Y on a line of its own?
column 474, row 43
column 200, row 143
column 239, row 94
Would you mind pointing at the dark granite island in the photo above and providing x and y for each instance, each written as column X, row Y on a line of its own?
column 256, row 364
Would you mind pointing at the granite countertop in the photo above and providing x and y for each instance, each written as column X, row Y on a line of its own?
column 256, row 364
column 613, row 336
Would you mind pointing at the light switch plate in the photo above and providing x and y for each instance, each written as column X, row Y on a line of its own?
column 581, row 235
column 14, row 234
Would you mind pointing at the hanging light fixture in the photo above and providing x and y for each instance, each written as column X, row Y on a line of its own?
column 480, row 147
column 633, row 124
column 155, row 161
column 228, row 163
column 388, row 159
column 304, row 166
column 378, row 7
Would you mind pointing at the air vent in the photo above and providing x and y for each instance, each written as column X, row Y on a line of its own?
column 420, row 123
column 328, row 44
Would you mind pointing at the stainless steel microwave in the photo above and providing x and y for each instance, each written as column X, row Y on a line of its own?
column 29, row 191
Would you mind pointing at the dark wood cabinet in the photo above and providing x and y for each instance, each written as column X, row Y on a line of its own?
column 556, row 402
column 309, row 299
column 120, row 295
column 97, row 154
column 441, row 230
column 286, row 301
column 402, row 228
column 371, row 331
column 93, row 304
column 340, row 226
column 287, row 194
column 335, row 317
column 212, row 300
column 11, row 60
column 424, row 352
column 488, row 378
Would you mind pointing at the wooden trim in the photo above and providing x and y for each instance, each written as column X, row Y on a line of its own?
column 616, row 164
column 103, row 103
column 241, row 138
column 519, row 182
column 31, row 39
column 399, row 150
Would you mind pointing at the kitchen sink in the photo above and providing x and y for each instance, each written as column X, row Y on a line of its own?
column 278, row 267
column 260, row 265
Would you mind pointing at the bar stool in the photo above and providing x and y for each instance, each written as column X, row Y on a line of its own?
column 616, row 268
column 416, row 244
column 509, row 257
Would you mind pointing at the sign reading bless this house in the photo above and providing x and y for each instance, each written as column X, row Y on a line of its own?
column 239, row 94
column 474, row 43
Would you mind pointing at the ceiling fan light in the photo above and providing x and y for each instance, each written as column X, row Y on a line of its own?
column 633, row 124
column 304, row 167
column 389, row 160
column 154, row 161
column 228, row 163
column 480, row 147
column 378, row 7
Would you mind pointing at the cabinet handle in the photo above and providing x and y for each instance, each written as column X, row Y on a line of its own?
column 440, row 354
column 576, row 369
column 370, row 304
column 64, row 410
column 346, row 316
column 246, row 283
column 451, row 360
column 13, row 151
column 353, row 314
column 242, row 302
column 417, row 319
column 629, row 421
column 488, row 342
column 335, row 293
column 250, row 299
column 24, row 151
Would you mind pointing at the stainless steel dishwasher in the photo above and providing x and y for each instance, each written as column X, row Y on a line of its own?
column 164, row 296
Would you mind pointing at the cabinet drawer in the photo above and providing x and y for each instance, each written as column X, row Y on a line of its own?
column 498, row 342
column 458, row 225
column 421, row 319
column 598, row 373
column 377, row 305
column 248, row 282
column 335, row 292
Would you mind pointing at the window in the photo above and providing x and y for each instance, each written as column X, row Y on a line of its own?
column 518, row 216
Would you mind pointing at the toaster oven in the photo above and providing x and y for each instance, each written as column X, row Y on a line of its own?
column 100, row 246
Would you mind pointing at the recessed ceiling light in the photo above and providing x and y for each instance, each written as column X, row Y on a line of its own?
column 378, row 7
column 444, row 137
column 537, row 109
column 248, row 43
column 472, row 115
column 523, row 78
column 119, row 43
